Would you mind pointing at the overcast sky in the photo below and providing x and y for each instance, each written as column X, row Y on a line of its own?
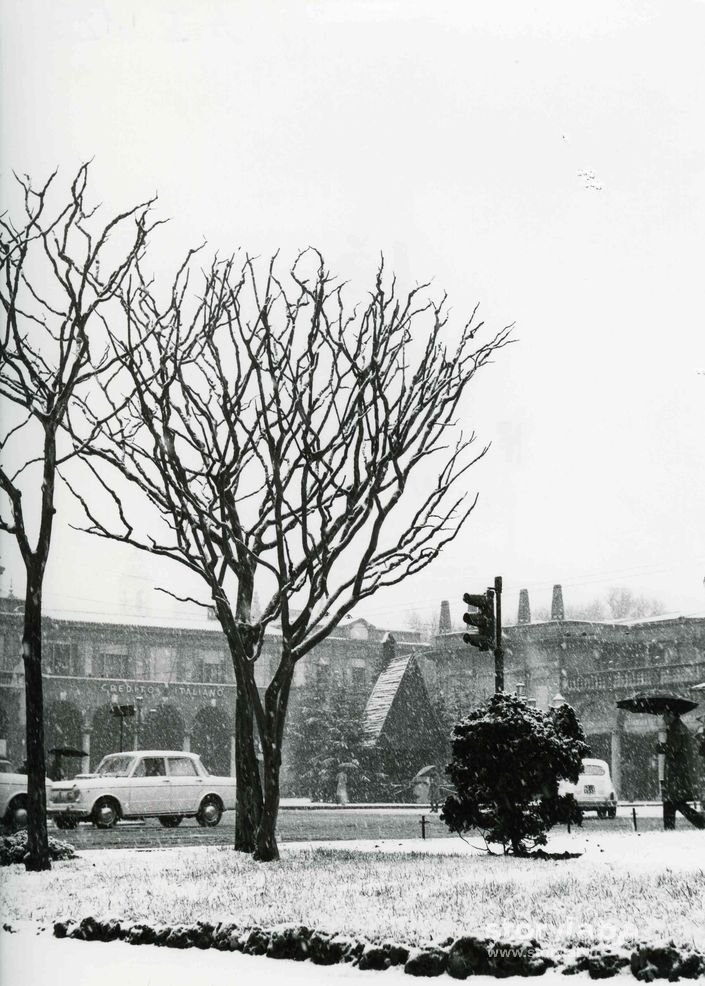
column 545, row 160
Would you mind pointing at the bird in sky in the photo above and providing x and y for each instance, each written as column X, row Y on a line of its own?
column 590, row 180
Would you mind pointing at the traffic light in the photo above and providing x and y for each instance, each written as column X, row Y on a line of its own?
column 482, row 620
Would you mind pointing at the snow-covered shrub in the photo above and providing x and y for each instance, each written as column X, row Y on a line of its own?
column 13, row 849
column 507, row 761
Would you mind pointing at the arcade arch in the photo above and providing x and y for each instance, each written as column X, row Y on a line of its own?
column 211, row 738
column 62, row 730
column 4, row 729
column 162, row 728
column 106, row 733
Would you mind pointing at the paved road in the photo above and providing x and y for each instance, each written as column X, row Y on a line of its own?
column 324, row 824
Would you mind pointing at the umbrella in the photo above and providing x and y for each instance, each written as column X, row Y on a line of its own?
column 348, row 766
column 67, row 751
column 698, row 688
column 425, row 771
column 656, row 703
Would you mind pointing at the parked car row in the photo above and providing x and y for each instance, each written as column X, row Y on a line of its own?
column 172, row 785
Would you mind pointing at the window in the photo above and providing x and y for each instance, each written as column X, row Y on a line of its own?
column 63, row 659
column 111, row 662
column 162, row 663
column 209, row 666
column 182, row 767
column 150, row 767
column 358, row 674
column 115, row 766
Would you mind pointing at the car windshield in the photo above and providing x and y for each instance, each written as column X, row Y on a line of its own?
column 115, row 766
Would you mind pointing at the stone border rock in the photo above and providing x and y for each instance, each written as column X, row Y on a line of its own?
column 457, row 957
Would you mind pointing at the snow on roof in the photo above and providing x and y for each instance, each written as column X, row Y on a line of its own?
column 195, row 622
column 382, row 697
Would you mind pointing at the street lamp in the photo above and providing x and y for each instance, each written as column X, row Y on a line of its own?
column 138, row 724
column 122, row 712
column 557, row 701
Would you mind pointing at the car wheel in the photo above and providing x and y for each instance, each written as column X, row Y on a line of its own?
column 105, row 813
column 65, row 823
column 16, row 815
column 170, row 821
column 210, row 812
column 601, row 813
column 612, row 811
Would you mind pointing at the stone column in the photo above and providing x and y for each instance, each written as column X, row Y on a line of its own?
column 232, row 755
column 86, row 747
column 616, row 758
column 187, row 743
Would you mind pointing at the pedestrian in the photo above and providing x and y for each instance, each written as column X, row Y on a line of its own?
column 434, row 790
column 700, row 760
column 677, row 790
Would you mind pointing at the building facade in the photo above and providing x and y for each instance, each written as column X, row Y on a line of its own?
column 178, row 680
column 175, row 679
column 592, row 666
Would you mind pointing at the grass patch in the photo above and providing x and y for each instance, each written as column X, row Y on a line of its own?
column 415, row 897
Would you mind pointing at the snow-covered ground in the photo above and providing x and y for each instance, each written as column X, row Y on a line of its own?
column 30, row 959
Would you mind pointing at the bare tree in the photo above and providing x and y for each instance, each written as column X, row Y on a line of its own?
column 619, row 603
column 624, row 605
column 52, row 291
column 288, row 441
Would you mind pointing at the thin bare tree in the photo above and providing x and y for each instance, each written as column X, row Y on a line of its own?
column 61, row 270
column 287, row 441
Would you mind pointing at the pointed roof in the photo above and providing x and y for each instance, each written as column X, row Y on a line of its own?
column 399, row 710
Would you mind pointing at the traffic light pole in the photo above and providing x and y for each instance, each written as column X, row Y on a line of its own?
column 486, row 618
column 498, row 652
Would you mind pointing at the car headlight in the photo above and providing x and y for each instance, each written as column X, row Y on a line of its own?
column 62, row 797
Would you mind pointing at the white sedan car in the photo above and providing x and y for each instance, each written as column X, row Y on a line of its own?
column 13, row 795
column 594, row 790
column 167, row 784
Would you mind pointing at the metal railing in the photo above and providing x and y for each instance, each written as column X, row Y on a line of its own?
column 679, row 675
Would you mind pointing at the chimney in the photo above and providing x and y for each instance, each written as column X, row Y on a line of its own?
column 557, row 611
column 444, row 624
column 524, row 614
column 389, row 650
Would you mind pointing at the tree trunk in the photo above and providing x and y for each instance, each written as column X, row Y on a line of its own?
column 248, row 792
column 266, row 849
column 276, row 703
column 37, row 839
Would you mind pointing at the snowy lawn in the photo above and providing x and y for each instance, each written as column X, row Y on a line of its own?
column 624, row 887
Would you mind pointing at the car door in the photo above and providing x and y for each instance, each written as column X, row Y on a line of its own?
column 186, row 785
column 149, row 787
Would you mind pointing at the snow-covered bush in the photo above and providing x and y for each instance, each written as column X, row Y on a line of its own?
column 13, row 849
column 507, row 761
